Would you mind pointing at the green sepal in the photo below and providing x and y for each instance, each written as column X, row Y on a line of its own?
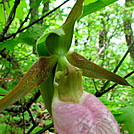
column 59, row 41
column 47, row 90
column 52, row 43
column 42, row 50
column 41, row 46
column 55, row 42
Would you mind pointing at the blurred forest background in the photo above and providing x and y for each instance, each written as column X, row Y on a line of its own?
column 104, row 37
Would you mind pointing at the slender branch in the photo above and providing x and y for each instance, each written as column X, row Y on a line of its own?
column 33, row 99
column 45, row 129
column 95, row 85
column 33, row 121
column 100, row 93
column 117, row 67
column 25, row 20
column 26, row 105
column 36, row 21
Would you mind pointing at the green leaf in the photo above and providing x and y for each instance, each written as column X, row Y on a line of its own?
column 32, row 34
column 132, row 100
column 37, row 74
column 92, row 70
column 95, row 6
column 38, row 3
column 9, row 6
column 44, row 1
column 2, row 18
column 20, row 9
column 36, row 129
column 86, row 2
column 9, row 44
column 48, row 122
column 127, row 118
column 3, row 91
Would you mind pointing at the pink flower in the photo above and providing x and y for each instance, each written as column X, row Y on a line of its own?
column 90, row 116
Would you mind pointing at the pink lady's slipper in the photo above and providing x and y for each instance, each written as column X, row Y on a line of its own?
column 59, row 75
column 75, row 111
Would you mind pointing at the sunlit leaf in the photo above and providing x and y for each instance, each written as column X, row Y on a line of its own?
column 92, row 7
column 94, row 71
column 2, row 20
column 34, row 77
column 86, row 2
column 20, row 9
column 32, row 34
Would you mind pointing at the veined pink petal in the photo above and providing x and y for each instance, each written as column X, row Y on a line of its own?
column 103, row 119
column 72, row 119
column 89, row 117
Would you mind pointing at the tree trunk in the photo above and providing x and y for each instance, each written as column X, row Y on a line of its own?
column 35, row 15
column 128, row 31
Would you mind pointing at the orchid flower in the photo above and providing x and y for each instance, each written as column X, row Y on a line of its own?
column 90, row 116
column 59, row 75
column 76, row 111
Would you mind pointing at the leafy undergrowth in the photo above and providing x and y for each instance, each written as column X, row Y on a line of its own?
column 21, row 123
column 126, row 118
column 36, row 120
column 123, row 111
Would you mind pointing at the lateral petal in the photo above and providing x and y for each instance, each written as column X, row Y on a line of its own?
column 92, row 70
column 37, row 74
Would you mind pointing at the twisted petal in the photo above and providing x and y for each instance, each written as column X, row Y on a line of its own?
column 89, row 117
column 92, row 70
column 36, row 75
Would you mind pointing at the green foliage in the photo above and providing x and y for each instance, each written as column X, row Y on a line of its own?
column 32, row 34
column 9, row 44
column 93, row 6
column 21, row 10
column 127, row 118
column 3, row 92
column 86, row 2
column 36, row 129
